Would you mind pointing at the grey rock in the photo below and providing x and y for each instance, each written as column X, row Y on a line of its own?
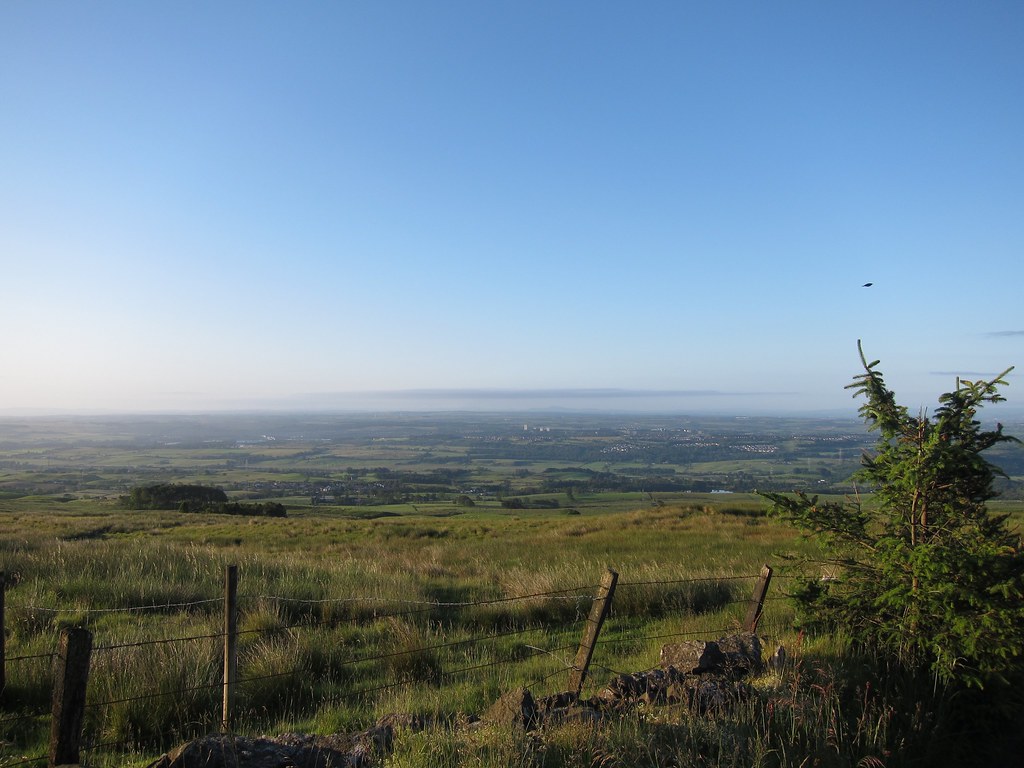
column 736, row 655
column 287, row 751
column 515, row 708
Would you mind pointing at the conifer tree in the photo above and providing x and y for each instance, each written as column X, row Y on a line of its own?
column 918, row 569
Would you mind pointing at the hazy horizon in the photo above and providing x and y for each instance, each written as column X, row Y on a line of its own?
column 498, row 402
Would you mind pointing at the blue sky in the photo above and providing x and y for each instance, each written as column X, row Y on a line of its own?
column 665, row 205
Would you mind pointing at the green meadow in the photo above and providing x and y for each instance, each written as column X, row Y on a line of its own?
column 431, row 601
column 346, row 619
column 321, row 590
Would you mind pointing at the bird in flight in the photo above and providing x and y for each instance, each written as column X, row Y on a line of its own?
column 867, row 285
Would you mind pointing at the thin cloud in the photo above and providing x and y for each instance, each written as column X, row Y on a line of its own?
column 567, row 394
column 1002, row 334
column 570, row 393
column 968, row 374
column 590, row 397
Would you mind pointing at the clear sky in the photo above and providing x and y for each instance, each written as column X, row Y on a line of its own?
column 663, row 205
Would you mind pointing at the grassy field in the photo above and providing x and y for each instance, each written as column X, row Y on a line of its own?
column 427, row 606
column 345, row 620
column 321, row 589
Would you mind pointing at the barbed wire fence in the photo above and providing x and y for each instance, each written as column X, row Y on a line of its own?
column 416, row 662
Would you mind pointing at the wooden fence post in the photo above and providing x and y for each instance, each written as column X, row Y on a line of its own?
column 757, row 600
column 3, row 634
column 71, row 673
column 598, row 611
column 230, row 643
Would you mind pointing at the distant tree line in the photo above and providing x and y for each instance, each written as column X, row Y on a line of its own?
column 266, row 509
column 518, row 503
column 195, row 498
column 172, row 496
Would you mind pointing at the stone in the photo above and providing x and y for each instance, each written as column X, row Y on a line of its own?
column 652, row 687
column 515, row 708
column 624, row 686
column 715, row 694
column 743, row 653
column 693, row 656
column 293, row 750
column 737, row 655
column 555, row 701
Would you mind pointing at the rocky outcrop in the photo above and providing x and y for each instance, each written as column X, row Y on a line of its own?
column 659, row 687
column 736, row 656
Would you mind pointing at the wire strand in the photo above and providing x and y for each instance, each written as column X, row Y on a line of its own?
column 26, row 761
column 49, row 655
column 683, row 581
column 624, row 640
column 156, row 695
column 440, row 604
column 126, row 609
column 397, row 654
column 142, row 643
column 22, row 718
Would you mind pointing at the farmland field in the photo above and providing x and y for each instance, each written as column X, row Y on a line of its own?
column 347, row 461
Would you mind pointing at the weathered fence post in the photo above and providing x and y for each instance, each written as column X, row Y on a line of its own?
column 598, row 611
column 3, row 634
column 230, row 643
column 71, row 673
column 757, row 600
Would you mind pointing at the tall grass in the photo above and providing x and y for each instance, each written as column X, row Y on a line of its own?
column 344, row 621
column 833, row 708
